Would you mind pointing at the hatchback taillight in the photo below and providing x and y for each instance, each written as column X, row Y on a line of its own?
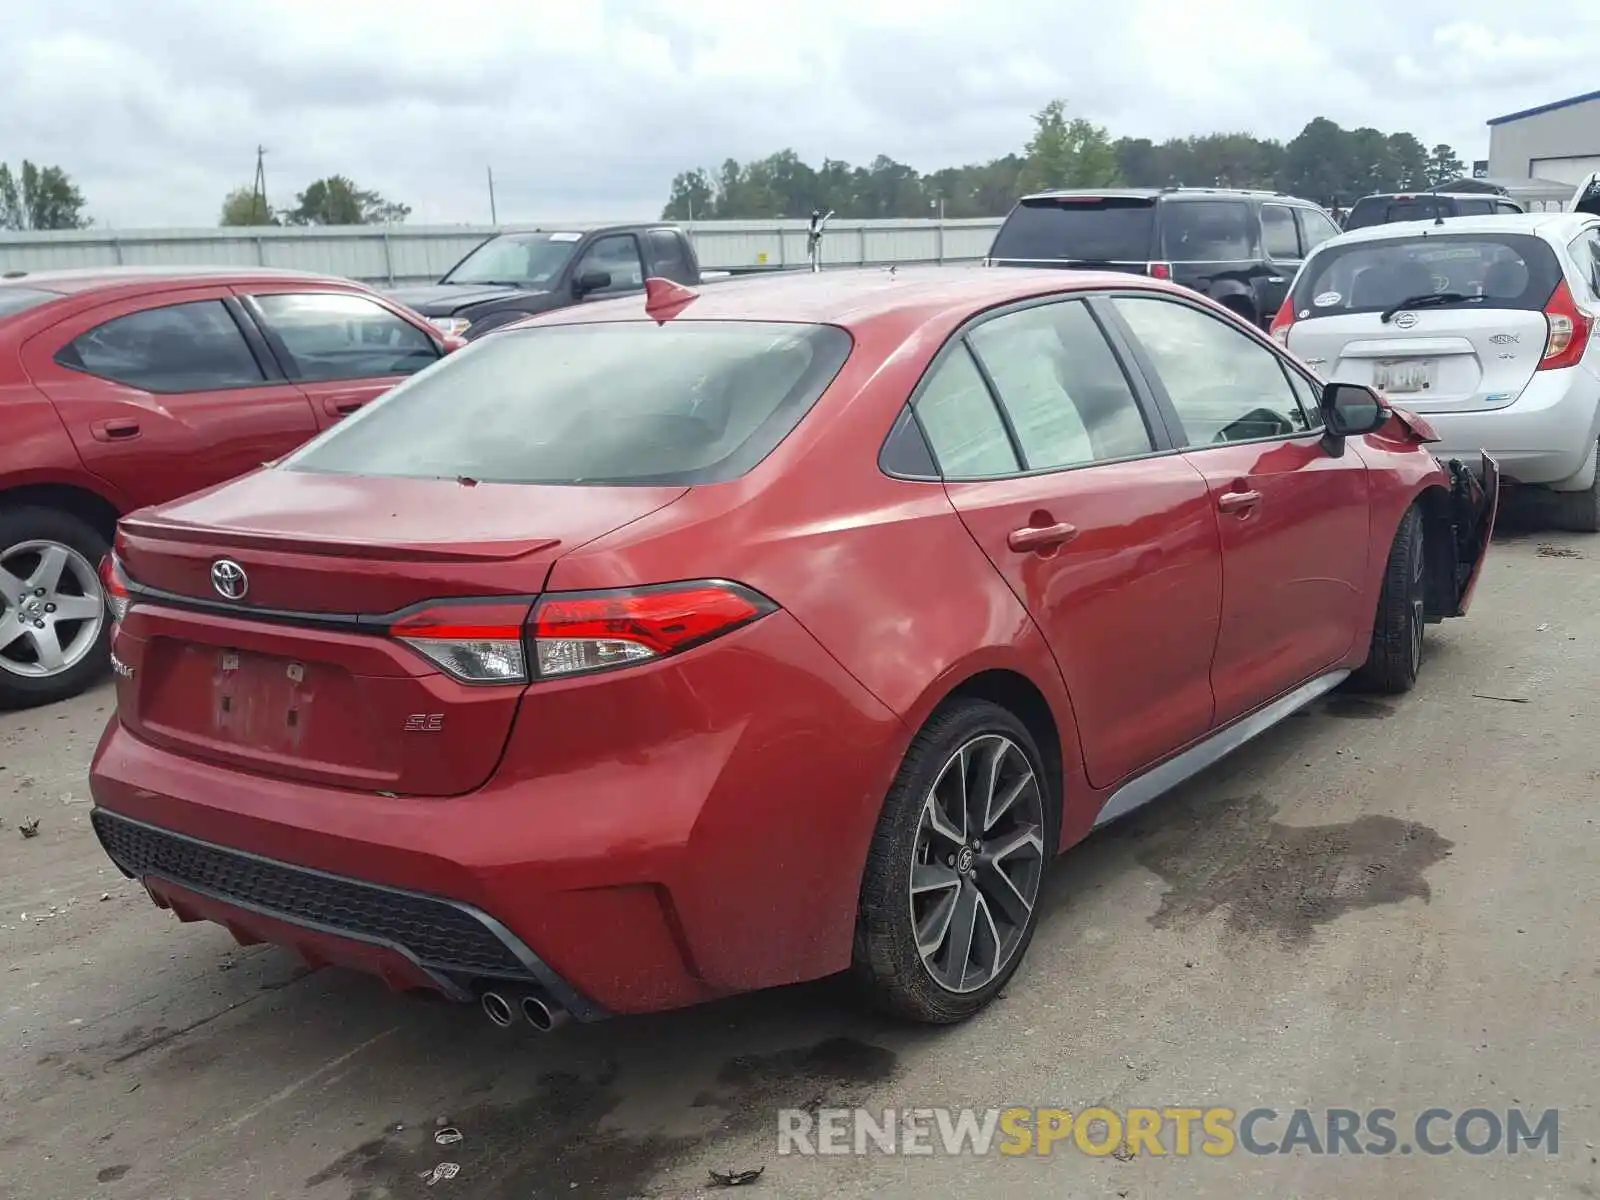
column 1282, row 322
column 596, row 631
column 1569, row 331
column 115, row 586
column 476, row 641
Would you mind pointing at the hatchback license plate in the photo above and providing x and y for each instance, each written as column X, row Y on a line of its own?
column 1406, row 375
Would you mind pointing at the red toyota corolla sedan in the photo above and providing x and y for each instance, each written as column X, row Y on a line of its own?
column 654, row 650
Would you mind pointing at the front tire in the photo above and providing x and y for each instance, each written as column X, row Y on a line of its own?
column 55, row 633
column 949, row 898
column 1395, row 658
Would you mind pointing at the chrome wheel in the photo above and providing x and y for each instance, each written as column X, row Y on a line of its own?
column 51, row 609
column 977, row 862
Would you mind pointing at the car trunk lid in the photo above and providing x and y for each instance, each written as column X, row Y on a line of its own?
column 303, row 674
column 1431, row 360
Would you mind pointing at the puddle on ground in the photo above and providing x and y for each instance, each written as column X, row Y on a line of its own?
column 1279, row 879
column 550, row 1144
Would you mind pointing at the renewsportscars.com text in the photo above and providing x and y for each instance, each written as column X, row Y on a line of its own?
column 1175, row 1131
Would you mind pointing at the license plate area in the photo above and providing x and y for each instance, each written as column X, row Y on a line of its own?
column 1405, row 376
column 261, row 700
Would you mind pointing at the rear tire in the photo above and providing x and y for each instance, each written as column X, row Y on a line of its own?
column 944, row 919
column 1395, row 657
column 1579, row 512
column 26, row 676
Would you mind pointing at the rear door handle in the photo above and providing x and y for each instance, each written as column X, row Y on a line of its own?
column 115, row 430
column 1232, row 502
column 342, row 406
column 1040, row 537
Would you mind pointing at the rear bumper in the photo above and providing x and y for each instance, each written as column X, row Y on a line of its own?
column 680, row 831
column 1544, row 437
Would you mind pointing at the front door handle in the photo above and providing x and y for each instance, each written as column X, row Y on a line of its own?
column 1238, row 502
column 1040, row 537
column 342, row 406
column 115, row 430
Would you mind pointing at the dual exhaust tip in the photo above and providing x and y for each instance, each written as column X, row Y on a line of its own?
column 533, row 1008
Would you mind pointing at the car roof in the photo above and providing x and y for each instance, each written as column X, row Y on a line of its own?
column 87, row 279
column 1170, row 193
column 856, row 298
column 1426, row 194
column 1561, row 226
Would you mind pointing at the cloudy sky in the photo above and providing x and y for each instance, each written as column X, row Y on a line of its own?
column 587, row 108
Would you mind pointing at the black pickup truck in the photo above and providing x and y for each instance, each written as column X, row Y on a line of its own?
column 514, row 275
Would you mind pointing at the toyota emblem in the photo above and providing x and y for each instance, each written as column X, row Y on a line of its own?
column 1405, row 320
column 229, row 579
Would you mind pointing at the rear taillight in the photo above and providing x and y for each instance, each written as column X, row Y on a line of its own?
column 115, row 586
column 1158, row 270
column 1281, row 322
column 477, row 641
column 1569, row 331
column 596, row 631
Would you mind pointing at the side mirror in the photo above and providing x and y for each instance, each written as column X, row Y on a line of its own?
column 591, row 281
column 1350, row 409
column 454, row 342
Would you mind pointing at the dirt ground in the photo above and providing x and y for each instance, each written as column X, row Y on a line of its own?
column 1376, row 904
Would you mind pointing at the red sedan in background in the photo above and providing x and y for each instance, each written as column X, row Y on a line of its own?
column 121, row 388
column 649, row 652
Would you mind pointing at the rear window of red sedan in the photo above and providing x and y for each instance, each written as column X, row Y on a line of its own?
column 609, row 403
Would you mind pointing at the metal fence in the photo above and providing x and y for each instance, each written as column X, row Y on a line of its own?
column 398, row 254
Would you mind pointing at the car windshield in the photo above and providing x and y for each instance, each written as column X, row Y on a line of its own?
column 1207, row 231
column 17, row 299
column 613, row 402
column 524, row 259
column 1115, row 229
column 1508, row 270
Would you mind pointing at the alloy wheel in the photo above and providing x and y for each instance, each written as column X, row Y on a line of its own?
column 52, row 609
column 977, row 863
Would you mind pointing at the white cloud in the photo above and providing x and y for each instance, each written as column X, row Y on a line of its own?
column 589, row 107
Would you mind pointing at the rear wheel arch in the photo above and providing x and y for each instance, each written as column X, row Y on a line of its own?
column 1021, row 697
column 88, row 506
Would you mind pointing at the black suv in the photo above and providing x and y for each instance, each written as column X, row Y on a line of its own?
column 1241, row 248
column 1385, row 208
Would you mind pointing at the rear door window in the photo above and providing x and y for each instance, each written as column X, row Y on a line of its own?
column 1066, row 394
column 1111, row 229
column 604, row 403
column 1314, row 228
column 194, row 347
column 1507, row 270
column 332, row 335
column 1207, row 231
column 964, row 428
column 1280, row 238
column 669, row 256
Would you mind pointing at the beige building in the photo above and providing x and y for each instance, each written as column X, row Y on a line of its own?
column 1557, row 142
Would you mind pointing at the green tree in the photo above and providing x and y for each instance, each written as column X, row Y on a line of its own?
column 1067, row 153
column 336, row 200
column 243, row 206
column 1443, row 165
column 40, row 198
column 692, row 198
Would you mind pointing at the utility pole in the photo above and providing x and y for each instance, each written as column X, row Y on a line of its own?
column 260, row 210
column 494, row 215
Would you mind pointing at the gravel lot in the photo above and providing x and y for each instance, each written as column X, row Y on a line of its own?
column 1374, row 905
